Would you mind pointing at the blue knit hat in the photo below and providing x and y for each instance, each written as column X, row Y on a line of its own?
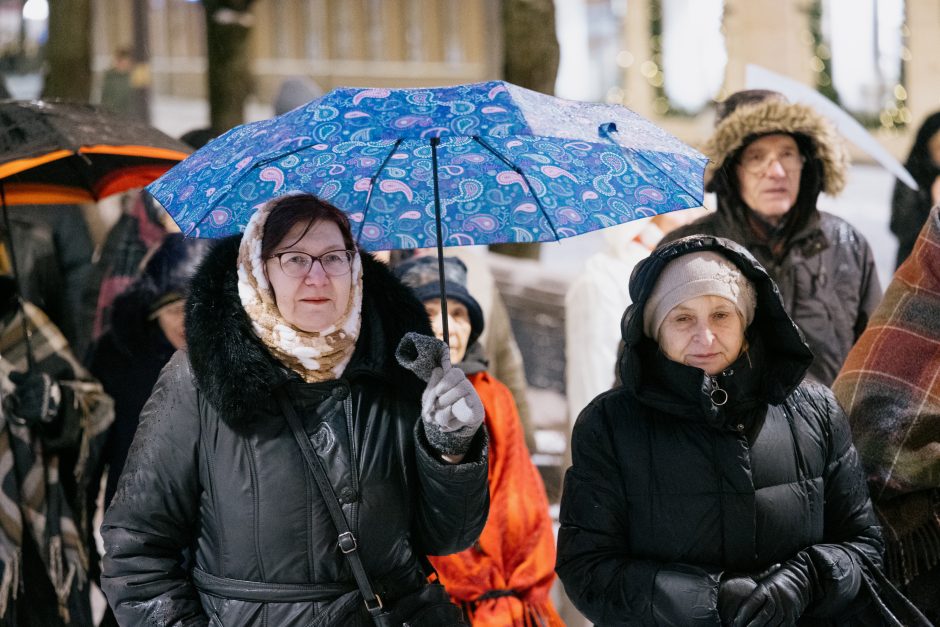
column 422, row 276
column 166, row 273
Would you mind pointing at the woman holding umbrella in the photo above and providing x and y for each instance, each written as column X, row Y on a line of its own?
column 290, row 451
column 715, row 485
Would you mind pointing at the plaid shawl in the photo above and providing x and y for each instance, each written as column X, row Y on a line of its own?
column 890, row 388
column 34, row 497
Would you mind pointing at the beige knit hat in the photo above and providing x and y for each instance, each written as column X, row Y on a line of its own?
column 697, row 274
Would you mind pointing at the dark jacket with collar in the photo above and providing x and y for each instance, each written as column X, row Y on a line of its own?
column 215, row 467
column 127, row 360
column 669, row 488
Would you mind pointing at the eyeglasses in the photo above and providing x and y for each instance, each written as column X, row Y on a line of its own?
column 296, row 264
column 759, row 162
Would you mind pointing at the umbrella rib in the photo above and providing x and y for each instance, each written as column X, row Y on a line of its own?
column 525, row 178
column 666, row 174
column 372, row 181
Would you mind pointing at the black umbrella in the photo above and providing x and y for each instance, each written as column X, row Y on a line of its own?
column 59, row 152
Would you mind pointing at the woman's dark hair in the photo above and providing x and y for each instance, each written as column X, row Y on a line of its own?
column 919, row 163
column 292, row 209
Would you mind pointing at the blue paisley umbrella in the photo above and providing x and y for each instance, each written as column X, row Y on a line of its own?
column 454, row 166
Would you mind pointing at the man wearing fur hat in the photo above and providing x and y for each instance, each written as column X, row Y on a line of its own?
column 769, row 160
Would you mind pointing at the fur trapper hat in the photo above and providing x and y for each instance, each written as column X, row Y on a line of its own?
column 774, row 114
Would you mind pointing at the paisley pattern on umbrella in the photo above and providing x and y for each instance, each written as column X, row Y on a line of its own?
column 513, row 165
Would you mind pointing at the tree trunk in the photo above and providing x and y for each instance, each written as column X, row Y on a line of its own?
column 228, row 26
column 530, row 60
column 68, row 51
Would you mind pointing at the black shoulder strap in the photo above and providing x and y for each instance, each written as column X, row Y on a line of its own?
column 346, row 540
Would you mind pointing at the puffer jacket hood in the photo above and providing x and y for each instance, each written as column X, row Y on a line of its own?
column 784, row 350
column 775, row 115
column 236, row 371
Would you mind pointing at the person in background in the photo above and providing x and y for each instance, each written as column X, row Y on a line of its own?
column 146, row 329
column 505, row 578
column 54, row 261
column 909, row 208
column 890, row 389
column 141, row 227
column 595, row 302
column 769, row 161
column 294, row 92
column 54, row 418
column 291, row 337
column 715, row 484
column 497, row 339
column 116, row 88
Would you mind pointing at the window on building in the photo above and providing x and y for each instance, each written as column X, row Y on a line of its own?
column 689, row 54
column 859, row 58
column 590, row 36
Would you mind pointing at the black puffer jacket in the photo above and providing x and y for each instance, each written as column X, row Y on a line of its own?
column 668, row 490
column 215, row 467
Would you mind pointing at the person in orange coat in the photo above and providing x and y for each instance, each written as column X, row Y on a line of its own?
column 505, row 578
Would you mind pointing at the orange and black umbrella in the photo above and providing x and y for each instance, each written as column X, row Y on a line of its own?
column 55, row 152
column 59, row 152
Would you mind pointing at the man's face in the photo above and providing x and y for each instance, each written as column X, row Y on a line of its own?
column 768, row 172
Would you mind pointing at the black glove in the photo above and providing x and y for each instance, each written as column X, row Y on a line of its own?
column 35, row 399
column 732, row 592
column 781, row 597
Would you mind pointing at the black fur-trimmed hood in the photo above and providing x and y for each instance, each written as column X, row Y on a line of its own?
column 234, row 369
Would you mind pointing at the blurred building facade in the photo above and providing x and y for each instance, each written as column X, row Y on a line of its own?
column 881, row 57
column 666, row 59
column 386, row 43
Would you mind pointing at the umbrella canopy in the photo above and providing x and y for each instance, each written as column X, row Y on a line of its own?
column 473, row 164
column 59, row 152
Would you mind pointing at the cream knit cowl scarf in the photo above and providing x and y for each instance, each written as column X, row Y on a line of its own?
column 315, row 356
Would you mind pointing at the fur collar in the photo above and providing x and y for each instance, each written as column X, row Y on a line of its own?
column 237, row 373
column 778, row 116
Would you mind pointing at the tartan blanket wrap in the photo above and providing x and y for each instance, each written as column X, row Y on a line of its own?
column 890, row 389
column 33, row 500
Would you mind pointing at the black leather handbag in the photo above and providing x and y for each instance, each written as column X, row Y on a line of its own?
column 428, row 606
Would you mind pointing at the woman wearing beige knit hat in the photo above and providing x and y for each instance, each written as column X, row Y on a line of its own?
column 769, row 161
column 715, row 485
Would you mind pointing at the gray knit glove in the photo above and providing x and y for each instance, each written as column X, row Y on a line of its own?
column 450, row 407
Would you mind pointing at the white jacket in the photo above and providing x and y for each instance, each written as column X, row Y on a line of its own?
column 594, row 305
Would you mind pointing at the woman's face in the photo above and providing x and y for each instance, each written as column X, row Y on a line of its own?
column 704, row 332
column 315, row 301
column 458, row 325
column 171, row 319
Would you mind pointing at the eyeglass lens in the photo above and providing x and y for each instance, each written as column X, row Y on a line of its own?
column 298, row 264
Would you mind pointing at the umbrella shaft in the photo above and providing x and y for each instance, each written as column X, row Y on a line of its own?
column 440, row 238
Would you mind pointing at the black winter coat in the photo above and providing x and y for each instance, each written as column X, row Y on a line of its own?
column 668, row 490
column 127, row 361
column 215, row 467
column 827, row 279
